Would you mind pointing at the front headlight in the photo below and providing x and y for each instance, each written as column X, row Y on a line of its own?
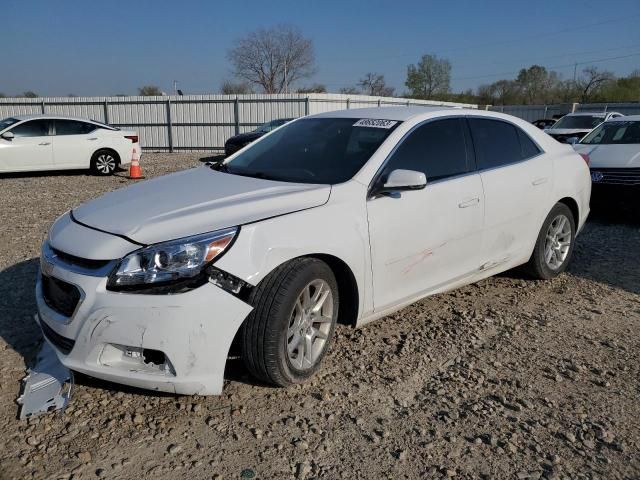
column 169, row 262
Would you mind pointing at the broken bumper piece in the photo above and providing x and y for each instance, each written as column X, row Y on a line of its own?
column 47, row 386
column 173, row 343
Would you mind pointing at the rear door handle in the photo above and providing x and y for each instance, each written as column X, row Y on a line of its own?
column 539, row 181
column 94, row 138
column 45, row 143
column 469, row 203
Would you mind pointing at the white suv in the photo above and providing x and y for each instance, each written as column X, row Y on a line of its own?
column 344, row 217
column 45, row 142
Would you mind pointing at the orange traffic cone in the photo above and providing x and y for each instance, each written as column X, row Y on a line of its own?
column 135, row 172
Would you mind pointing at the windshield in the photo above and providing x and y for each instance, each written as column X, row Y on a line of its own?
column 612, row 133
column 313, row 150
column 586, row 122
column 7, row 122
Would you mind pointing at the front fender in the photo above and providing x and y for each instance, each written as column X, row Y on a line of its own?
column 338, row 228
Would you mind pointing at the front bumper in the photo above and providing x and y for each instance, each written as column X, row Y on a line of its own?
column 108, row 333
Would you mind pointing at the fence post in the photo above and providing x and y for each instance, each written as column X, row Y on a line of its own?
column 574, row 107
column 606, row 106
column 378, row 103
column 106, row 111
column 348, row 103
column 169, row 126
column 545, row 112
column 306, row 106
column 236, row 115
column 42, row 105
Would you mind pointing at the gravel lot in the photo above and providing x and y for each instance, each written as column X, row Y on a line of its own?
column 507, row 378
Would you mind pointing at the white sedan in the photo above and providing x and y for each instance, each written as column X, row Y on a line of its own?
column 614, row 152
column 343, row 217
column 45, row 142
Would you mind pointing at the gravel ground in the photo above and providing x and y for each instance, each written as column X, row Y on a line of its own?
column 506, row 378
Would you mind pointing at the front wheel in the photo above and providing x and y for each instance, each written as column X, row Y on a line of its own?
column 554, row 245
column 103, row 163
column 290, row 329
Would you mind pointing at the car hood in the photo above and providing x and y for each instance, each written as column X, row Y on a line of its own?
column 611, row 156
column 194, row 201
column 245, row 137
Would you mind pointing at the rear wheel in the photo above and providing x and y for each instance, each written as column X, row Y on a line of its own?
column 290, row 329
column 554, row 245
column 104, row 162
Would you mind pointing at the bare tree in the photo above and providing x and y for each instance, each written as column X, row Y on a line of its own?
column 2, row 95
column 273, row 58
column 431, row 76
column 235, row 88
column 593, row 79
column 350, row 91
column 374, row 84
column 30, row 94
column 149, row 91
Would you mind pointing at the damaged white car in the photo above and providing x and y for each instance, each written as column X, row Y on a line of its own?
column 339, row 217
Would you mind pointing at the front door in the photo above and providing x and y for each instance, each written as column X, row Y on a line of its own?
column 423, row 240
column 29, row 149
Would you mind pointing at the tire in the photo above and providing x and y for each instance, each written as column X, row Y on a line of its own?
column 277, row 333
column 551, row 254
column 104, row 162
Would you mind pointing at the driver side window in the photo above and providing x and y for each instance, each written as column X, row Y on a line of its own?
column 437, row 148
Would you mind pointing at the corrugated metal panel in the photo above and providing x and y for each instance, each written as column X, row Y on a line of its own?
column 199, row 122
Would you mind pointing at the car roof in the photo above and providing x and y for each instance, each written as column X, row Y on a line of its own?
column 386, row 113
column 590, row 114
column 51, row 117
column 625, row 118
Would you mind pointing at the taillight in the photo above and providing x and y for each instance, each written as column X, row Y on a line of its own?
column 586, row 158
column 133, row 138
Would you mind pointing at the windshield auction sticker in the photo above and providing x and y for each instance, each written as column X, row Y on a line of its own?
column 375, row 123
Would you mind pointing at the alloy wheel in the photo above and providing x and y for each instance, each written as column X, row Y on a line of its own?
column 310, row 324
column 105, row 163
column 558, row 242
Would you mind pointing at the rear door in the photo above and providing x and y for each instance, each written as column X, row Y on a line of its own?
column 425, row 239
column 517, row 181
column 30, row 149
column 74, row 142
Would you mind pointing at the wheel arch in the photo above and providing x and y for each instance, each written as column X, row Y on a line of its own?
column 347, row 288
column 573, row 206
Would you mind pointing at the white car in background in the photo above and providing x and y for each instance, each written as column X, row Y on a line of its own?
column 572, row 127
column 48, row 142
column 344, row 216
column 614, row 152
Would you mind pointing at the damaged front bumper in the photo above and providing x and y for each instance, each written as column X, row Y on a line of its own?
column 173, row 343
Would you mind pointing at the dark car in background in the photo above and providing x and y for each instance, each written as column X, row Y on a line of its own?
column 237, row 142
column 543, row 123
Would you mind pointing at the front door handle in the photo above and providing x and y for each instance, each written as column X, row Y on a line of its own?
column 539, row 181
column 469, row 203
column 45, row 143
column 94, row 138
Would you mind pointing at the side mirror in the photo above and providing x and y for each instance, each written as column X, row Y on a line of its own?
column 8, row 136
column 400, row 180
column 573, row 140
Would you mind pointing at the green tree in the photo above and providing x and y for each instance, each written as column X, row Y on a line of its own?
column 30, row 94
column 593, row 79
column 537, row 84
column 149, row 91
column 2, row 95
column 431, row 76
column 315, row 88
column 350, row 91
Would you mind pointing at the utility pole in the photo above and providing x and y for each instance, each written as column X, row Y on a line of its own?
column 175, row 87
column 575, row 68
column 286, row 83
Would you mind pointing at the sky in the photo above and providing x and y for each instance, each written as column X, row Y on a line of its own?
column 57, row 48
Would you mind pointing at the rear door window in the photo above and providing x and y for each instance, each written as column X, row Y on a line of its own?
column 496, row 143
column 73, row 127
column 32, row 128
column 436, row 148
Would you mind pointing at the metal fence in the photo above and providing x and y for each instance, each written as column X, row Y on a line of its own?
column 535, row 112
column 196, row 122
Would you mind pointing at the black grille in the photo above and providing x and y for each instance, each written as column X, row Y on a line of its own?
column 81, row 262
column 64, row 344
column 615, row 176
column 60, row 296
